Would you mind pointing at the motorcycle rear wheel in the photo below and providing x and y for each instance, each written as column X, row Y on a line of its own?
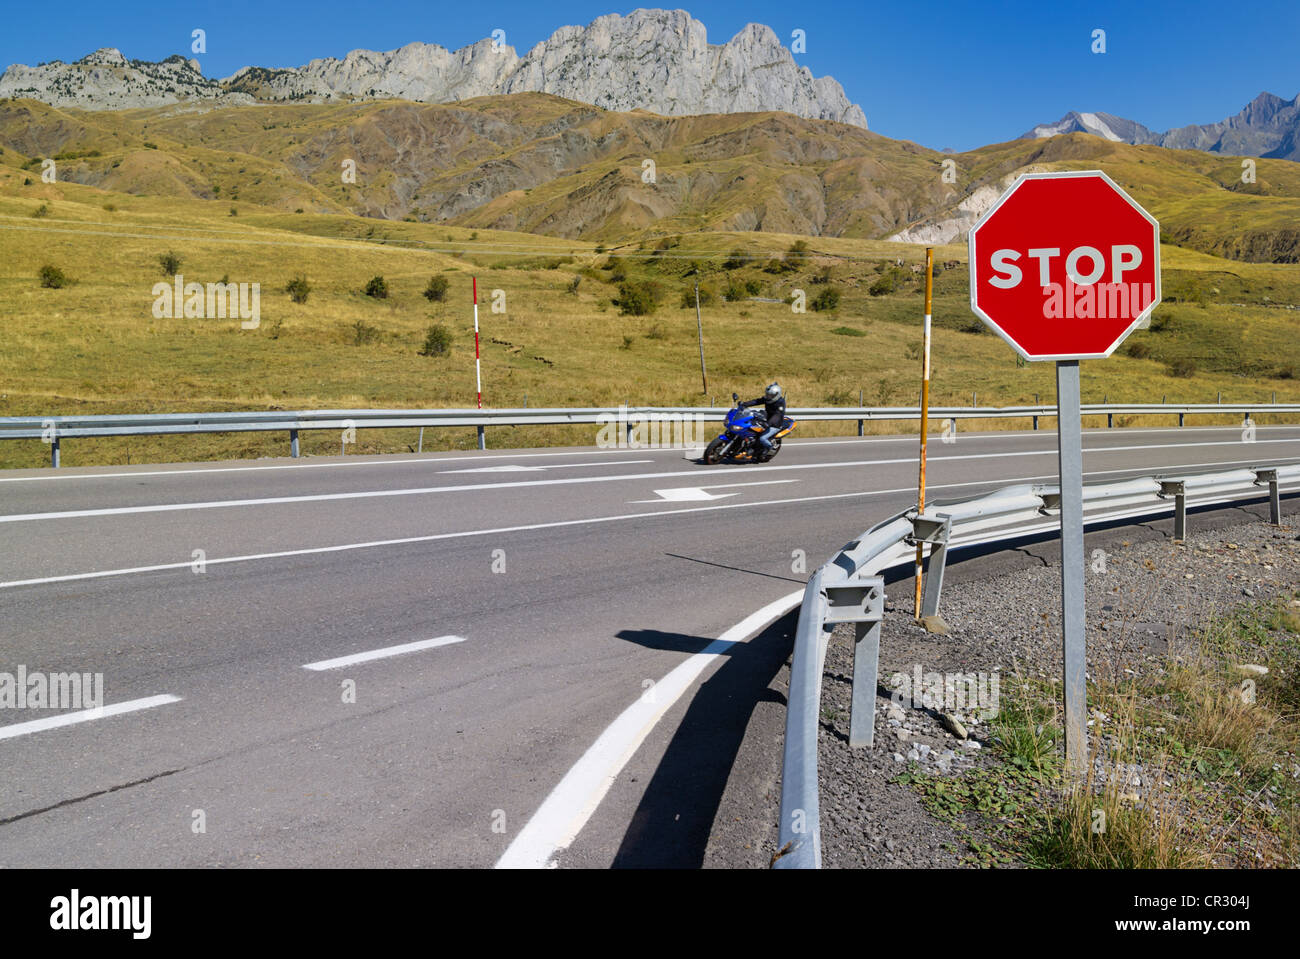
column 768, row 455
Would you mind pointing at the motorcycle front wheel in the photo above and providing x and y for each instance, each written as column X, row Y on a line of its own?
column 713, row 452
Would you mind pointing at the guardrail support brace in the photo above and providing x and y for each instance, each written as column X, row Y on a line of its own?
column 934, row 530
column 1110, row 420
column 482, row 439
column 1180, row 419
column 861, row 602
column 859, row 427
column 54, row 452
column 293, row 443
column 1274, row 498
column 1035, row 422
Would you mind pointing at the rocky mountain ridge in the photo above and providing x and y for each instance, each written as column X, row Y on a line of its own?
column 655, row 60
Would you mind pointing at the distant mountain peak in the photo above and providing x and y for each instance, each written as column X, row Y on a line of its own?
column 1268, row 126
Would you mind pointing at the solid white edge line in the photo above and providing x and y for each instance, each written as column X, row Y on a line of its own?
column 384, row 653
column 567, row 481
column 433, row 537
column 85, row 715
column 559, row 819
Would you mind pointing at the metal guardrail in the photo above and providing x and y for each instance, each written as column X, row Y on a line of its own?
column 849, row 588
column 54, row 429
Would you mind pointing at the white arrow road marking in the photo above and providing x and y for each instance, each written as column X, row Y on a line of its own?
column 566, row 810
column 686, row 493
column 84, row 715
column 515, row 468
column 384, row 653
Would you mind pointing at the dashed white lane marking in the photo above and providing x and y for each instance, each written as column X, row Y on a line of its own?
column 433, row 537
column 84, row 716
column 566, row 810
column 429, row 490
column 384, row 653
column 518, row 468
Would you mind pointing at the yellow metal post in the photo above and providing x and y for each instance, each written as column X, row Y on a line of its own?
column 925, row 408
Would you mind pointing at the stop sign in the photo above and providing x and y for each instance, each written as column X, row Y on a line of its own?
column 1064, row 265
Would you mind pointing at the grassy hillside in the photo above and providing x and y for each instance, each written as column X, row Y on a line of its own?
column 95, row 346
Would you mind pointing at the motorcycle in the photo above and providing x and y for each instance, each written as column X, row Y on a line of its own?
column 738, row 440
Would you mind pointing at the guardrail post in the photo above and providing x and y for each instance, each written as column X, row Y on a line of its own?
column 1035, row 422
column 1110, row 420
column 293, row 443
column 861, row 602
column 935, row 531
column 482, row 439
column 54, row 452
column 1269, row 476
column 1180, row 419
column 1178, row 490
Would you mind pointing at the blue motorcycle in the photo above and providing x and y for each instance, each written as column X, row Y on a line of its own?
column 738, row 440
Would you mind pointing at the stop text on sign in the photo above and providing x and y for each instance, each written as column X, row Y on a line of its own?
column 1064, row 265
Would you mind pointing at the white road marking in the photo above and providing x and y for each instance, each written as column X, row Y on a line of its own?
column 67, row 473
column 566, row 810
column 84, row 716
column 684, row 494
column 429, row 490
column 188, row 564
column 384, row 653
column 517, row 468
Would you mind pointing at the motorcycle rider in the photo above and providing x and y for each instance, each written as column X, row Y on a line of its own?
column 773, row 403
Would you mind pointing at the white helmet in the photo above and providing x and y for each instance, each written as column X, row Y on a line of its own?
column 773, row 391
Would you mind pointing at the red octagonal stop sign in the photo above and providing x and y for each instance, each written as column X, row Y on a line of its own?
column 1065, row 265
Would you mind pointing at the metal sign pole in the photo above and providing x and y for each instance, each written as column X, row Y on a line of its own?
column 478, row 369
column 1070, row 462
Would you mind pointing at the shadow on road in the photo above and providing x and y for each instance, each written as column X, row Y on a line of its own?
column 671, row 826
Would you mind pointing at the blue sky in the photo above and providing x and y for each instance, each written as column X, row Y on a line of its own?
column 945, row 74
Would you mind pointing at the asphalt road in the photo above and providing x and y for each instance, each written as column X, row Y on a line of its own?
column 570, row 592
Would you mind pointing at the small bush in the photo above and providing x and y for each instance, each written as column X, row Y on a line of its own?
column 848, row 331
column 170, row 262
column 41, row 211
column 234, row 211
column 1182, row 368
column 436, row 291
column 627, row 343
column 363, row 334
column 734, row 292
column 827, row 299
column 437, row 341
column 656, row 332
column 883, row 285
column 52, row 278
column 635, row 299
column 913, row 352
column 753, row 287
column 110, row 207
column 1138, row 350
column 735, row 260
column 707, row 297
column 298, row 289
column 377, row 288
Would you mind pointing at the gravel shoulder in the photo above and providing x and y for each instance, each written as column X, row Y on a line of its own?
column 1145, row 594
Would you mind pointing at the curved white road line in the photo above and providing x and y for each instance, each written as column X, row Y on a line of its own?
column 566, row 810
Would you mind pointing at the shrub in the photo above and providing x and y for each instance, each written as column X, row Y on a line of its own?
column 733, row 292
column 656, row 332
column 436, row 291
column 110, row 207
column 827, row 299
column 848, row 331
column 41, row 211
column 753, row 287
column 1138, row 350
column 234, row 211
column 362, row 333
column 437, row 341
column 635, row 299
column 707, row 297
column 1182, row 368
column 170, row 262
column 52, row 278
column 883, row 285
column 573, row 285
column 377, row 288
column 735, row 260
column 298, row 289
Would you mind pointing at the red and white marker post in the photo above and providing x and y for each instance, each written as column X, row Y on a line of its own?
column 478, row 368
